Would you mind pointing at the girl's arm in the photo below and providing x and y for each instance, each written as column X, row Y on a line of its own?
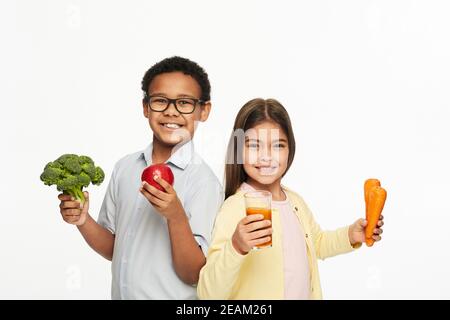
column 218, row 276
column 327, row 243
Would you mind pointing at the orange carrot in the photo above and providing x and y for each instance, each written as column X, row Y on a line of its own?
column 368, row 185
column 377, row 198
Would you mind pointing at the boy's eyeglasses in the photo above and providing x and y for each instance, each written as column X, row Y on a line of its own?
column 183, row 105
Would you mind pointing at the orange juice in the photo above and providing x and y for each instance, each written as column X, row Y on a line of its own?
column 267, row 213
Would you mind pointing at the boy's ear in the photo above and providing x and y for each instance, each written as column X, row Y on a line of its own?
column 145, row 108
column 206, row 108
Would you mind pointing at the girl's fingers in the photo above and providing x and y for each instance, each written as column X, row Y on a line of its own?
column 259, row 241
column 380, row 223
column 260, row 233
column 377, row 231
column 251, row 218
column 376, row 238
column 257, row 225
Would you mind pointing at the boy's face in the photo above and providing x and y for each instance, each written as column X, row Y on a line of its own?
column 171, row 127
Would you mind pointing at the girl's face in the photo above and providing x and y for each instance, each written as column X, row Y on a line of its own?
column 265, row 152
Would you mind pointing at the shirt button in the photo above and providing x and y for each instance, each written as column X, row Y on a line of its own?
column 306, row 235
column 296, row 209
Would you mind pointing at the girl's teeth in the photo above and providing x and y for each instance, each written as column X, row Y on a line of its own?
column 267, row 171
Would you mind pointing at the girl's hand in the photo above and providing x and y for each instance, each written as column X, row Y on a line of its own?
column 248, row 233
column 357, row 235
column 166, row 203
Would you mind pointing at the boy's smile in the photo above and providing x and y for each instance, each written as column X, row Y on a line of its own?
column 170, row 127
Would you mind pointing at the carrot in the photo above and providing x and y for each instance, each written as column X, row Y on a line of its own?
column 377, row 198
column 368, row 185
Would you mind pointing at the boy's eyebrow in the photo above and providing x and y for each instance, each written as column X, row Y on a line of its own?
column 161, row 94
column 251, row 139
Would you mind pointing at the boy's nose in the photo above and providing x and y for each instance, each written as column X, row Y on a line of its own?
column 171, row 110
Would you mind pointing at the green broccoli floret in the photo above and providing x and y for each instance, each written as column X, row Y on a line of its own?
column 71, row 173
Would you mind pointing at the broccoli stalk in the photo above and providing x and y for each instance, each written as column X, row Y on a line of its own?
column 71, row 173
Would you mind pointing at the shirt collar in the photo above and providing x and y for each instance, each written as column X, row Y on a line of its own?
column 181, row 155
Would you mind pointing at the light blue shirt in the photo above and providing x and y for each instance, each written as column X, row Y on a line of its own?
column 142, row 266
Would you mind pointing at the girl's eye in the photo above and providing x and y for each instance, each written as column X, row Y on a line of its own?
column 279, row 145
column 253, row 145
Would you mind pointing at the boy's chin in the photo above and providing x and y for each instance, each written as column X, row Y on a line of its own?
column 172, row 140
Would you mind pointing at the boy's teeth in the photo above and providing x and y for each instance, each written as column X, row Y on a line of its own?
column 171, row 125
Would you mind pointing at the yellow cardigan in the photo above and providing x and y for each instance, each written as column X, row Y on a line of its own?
column 259, row 274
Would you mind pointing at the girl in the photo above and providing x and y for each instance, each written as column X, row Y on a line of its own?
column 260, row 152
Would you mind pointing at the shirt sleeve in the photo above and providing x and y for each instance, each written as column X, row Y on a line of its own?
column 328, row 243
column 201, row 208
column 221, row 271
column 107, row 215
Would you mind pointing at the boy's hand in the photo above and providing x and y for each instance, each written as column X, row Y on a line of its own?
column 72, row 211
column 248, row 234
column 166, row 203
column 356, row 232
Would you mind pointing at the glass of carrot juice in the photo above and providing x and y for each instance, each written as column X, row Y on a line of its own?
column 259, row 202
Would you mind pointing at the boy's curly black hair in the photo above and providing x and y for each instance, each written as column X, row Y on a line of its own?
column 174, row 64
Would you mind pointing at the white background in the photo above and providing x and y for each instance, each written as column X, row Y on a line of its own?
column 365, row 83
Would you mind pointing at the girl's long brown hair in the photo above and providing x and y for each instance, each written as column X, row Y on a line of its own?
column 251, row 114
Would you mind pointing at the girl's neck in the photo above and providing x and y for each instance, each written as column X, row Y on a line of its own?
column 274, row 188
column 161, row 152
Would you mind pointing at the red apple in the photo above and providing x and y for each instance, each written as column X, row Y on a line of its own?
column 161, row 170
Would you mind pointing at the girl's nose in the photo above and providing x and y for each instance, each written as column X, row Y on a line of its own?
column 265, row 157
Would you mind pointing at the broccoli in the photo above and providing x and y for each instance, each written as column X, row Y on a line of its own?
column 71, row 173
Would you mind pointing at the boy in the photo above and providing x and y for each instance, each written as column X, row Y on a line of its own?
column 157, row 241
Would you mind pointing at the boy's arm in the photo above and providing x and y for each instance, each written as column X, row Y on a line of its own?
column 187, row 255
column 98, row 238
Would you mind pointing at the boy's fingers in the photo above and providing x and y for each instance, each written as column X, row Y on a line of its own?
column 154, row 200
column 166, row 186
column 65, row 197
column 157, row 193
column 380, row 223
column 70, row 205
column 71, row 212
column 72, row 219
column 376, row 238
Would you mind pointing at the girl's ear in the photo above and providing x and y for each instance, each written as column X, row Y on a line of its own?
column 206, row 108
